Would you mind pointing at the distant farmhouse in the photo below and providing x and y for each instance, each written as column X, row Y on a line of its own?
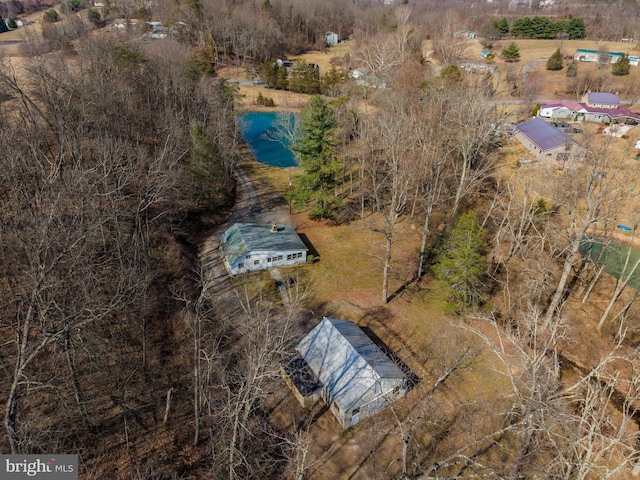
column 595, row 107
column 546, row 142
column 252, row 246
column 339, row 363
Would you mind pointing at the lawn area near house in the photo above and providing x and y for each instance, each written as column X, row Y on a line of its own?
column 345, row 282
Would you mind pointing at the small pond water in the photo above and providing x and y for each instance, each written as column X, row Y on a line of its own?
column 613, row 256
column 264, row 139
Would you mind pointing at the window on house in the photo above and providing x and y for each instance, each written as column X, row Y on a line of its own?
column 248, row 257
column 268, row 259
column 299, row 254
column 279, row 257
column 256, row 262
column 355, row 411
column 289, row 257
column 241, row 265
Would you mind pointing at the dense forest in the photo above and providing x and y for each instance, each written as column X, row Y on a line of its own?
column 119, row 158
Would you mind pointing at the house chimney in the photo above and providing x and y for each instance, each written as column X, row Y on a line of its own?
column 274, row 227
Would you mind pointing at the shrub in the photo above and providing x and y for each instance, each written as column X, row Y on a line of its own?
column 265, row 101
column 51, row 16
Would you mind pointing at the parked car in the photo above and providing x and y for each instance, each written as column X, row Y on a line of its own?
column 560, row 124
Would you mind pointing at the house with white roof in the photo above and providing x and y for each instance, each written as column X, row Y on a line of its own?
column 253, row 246
column 339, row 363
column 546, row 142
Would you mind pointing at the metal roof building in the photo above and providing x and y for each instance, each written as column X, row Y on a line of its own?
column 546, row 141
column 254, row 246
column 357, row 378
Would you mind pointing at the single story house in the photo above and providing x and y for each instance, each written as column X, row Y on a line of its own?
column 586, row 55
column 339, row 363
column 546, row 142
column 331, row 38
column 560, row 110
column 595, row 107
column 465, row 34
column 253, row 246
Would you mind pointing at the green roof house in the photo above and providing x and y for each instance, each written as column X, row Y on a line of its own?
column 253, row 246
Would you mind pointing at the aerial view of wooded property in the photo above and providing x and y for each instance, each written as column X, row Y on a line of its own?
column 320, row 239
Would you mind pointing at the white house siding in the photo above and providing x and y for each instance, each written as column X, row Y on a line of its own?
column 546, row 112
column 597, row 117
column 261, row 260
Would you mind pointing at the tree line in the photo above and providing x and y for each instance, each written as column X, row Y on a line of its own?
column 541, row 27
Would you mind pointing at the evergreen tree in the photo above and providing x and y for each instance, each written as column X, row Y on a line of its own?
column 621, row 67
column 572, row 69
column 332, row 81
column 3, row 25
column 555, row 61
column 11, row 23
column 315, row 150
column 562, row 27
column 451, row 73
column 522, row 28
column 268, row 73
column 460, row 266
column 502, row 26
column 576, row 28
column 304, row 78
column 511, row 53
column 282, row 77
column 205, row 166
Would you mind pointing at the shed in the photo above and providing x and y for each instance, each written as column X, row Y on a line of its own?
column 546, row 142
column 253, row 246
column 484, row 52
column 354, row 377
column 331, row 38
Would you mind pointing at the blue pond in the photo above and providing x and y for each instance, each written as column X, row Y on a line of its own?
column 263, row 139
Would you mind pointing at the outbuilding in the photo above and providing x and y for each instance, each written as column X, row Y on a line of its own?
column 547, row 142
column 253, row 246
column 339, row 363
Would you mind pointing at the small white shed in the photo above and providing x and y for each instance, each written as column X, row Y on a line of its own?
column 331, row 38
